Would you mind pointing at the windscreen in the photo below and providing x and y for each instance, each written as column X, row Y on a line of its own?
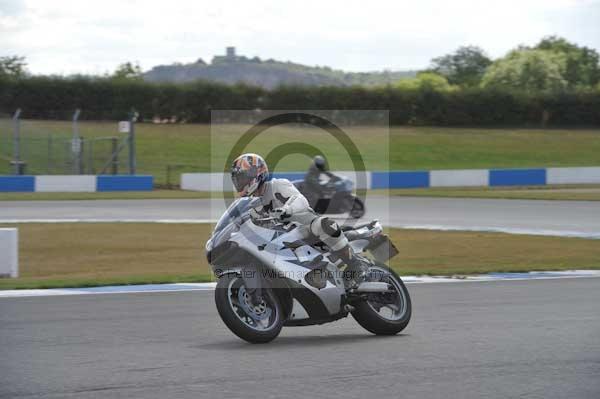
column 237, row 208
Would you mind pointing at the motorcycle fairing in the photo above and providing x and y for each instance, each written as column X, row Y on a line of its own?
column 285, row 261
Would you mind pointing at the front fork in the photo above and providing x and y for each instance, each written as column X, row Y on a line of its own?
column 254, row 280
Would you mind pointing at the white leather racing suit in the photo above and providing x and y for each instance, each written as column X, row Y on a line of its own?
column 281, row 197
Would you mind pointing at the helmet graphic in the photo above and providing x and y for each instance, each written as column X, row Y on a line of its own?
column 248, row 173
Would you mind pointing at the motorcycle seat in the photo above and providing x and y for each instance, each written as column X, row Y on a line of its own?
column 364, row 230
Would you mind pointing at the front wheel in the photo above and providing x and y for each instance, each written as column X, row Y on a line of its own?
column 252, row 322
column 384, row 313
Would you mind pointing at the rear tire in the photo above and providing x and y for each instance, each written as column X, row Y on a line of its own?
column 372, row 321
column 232, row 316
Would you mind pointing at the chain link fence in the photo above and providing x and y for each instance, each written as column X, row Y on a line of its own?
column 6, row 143
column 64, row 147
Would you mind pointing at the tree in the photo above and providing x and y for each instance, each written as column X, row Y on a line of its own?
column 128, row 71
column 582, row 67
column 425, row 81
column 527, row 70
column 12, row 66
column 464, row 67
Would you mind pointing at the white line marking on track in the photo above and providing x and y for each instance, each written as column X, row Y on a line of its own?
column 506, row 230
column 490, row 229
column 186, row 287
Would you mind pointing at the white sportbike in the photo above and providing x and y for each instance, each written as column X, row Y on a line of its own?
column 270, row 277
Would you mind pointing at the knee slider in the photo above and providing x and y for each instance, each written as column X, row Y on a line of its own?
column 330, row 227
column 321, row 226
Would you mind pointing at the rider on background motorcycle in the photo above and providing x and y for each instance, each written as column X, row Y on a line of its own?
column 281, row 199
column 312, row 180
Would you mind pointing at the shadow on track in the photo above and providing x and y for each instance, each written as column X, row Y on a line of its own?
column 296, row 341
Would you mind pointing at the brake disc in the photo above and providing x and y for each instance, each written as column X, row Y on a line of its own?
column 256, row 312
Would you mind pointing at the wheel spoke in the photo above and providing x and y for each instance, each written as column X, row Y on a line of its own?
column 264, row 323
column 392, row 307
column 392, row 303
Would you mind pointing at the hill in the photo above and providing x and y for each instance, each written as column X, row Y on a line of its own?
column 232, row 69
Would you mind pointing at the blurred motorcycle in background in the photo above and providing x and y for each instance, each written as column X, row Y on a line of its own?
column 334, row 196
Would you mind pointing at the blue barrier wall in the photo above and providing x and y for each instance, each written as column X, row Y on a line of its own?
column 124, row 183
column 378, row 180
column 399, row 179
column 517, row 177
column 438, row 178
column 17, row 183
column 77, row 183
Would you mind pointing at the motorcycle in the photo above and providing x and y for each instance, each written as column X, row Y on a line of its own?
column 335, row 196
column 269, row 277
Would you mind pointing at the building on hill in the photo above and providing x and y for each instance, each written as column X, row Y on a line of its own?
column 230, row 52
column 230, row 56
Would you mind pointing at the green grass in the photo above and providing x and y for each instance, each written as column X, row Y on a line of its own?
column 409, row 148
column 82, row 254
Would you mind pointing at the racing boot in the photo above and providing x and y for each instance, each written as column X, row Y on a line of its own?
column 356, row 270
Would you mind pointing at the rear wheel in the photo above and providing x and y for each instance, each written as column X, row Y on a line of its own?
column 358, row 209
column 384, row 313
column 253, row 322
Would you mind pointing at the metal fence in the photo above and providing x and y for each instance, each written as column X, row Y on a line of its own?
column 60, row 147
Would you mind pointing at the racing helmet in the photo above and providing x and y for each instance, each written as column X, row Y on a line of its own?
column 320, row 163
column 248, row 172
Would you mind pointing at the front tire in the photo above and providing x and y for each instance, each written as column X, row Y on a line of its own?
column 256, row 324
column 369, row 313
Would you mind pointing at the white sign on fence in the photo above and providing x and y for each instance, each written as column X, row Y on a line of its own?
column 76, row 145
column 124, row 127
column 9, row 252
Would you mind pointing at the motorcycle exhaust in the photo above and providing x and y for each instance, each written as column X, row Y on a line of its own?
column 372, row 286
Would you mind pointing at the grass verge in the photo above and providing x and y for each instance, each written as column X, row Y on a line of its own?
column 409, row 148
column 78, row 255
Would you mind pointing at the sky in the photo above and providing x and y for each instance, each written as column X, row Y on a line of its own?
column 94, row 37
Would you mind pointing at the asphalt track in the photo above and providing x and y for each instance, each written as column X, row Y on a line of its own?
column 562, row 218
column 525, row 339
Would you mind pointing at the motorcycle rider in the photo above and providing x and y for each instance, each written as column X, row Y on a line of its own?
column 280, row 198
column 312, row 180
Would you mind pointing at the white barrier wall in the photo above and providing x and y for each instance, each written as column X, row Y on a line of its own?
column 219, row 182
column 206, row 182
column 459, row 178
column 222, row 182
column 84, row 183
column 353, row 176
column 584, row 175
column 9, row 252
column 75, row 183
